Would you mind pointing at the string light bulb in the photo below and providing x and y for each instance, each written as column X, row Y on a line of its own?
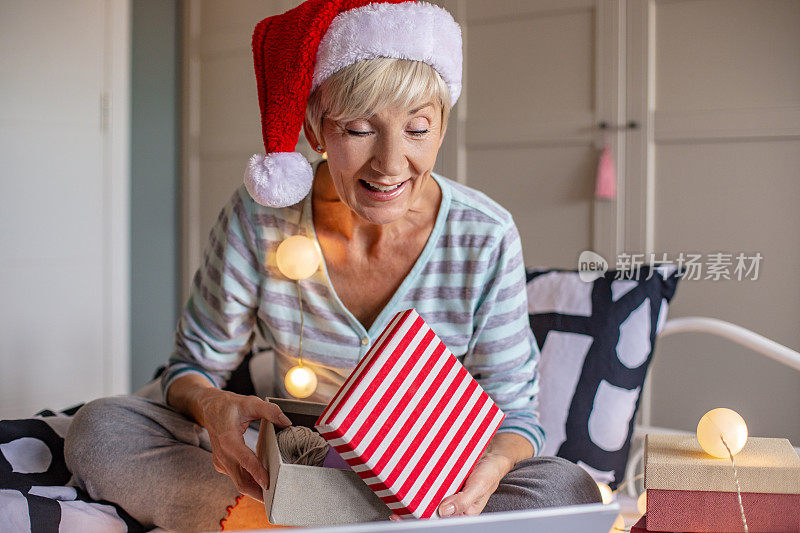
column 605, row 492
column 300, row 381
column 722, row 433
column 298, row 257
column 641, row 503
column 720, row 425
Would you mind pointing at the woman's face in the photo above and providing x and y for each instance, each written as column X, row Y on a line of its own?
column 381, row 165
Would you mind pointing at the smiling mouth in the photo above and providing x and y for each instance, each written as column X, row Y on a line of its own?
column 381, row 188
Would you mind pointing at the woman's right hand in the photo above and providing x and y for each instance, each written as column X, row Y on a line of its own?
column 226, row 416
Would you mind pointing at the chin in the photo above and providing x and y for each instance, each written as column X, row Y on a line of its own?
column 381, row 215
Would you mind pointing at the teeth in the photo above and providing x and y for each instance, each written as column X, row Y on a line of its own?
column 382, row 188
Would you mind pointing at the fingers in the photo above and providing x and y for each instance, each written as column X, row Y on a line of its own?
column 227, row 416
column 472, row 498
column 247, row 473
column 460, row 504
column 232, row 457
column 247, row 485
column 245, row 458
column 218, row 466
column 257, row 408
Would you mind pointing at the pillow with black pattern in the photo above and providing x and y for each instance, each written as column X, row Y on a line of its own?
column 596, row 340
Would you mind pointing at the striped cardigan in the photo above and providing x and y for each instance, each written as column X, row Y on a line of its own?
column 468, row 284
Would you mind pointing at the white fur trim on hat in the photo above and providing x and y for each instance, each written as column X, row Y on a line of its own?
column 278, row 180
column 418, row 31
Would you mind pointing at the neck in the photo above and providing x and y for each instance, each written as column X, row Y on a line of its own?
column 334, row 217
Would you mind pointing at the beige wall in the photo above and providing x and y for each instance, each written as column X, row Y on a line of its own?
column 715, row 85
column 726, row 172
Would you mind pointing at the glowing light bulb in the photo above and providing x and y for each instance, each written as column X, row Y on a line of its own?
column 619, row 524
column 724, row 423
column 300, row 381
column 641, row 503
column 298, row 257
column 605, row 492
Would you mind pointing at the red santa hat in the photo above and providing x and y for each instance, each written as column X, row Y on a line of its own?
column 298, row 50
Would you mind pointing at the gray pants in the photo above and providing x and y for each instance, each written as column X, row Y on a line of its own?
column 156, row 464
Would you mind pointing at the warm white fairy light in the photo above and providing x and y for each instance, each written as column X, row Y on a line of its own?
column 298, row 257
column 722, row 433
column 301, row 381
column 718, row 425
column 641, row 503
column 605, row 492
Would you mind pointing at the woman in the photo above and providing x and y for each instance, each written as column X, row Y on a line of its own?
column 393, row 236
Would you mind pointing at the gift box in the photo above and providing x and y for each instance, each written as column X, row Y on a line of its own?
column 689, row 490
column 410, row 419
column 300, row 495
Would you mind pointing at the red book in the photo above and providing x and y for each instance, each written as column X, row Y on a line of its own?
column 640, row 526
column 410, row 419
column 706, row 511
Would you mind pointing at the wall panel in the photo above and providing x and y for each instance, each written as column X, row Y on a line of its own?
column 723, row 160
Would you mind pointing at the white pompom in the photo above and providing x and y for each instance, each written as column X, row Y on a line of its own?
column 278, row 180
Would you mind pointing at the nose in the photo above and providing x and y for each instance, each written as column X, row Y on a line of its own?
column 389, row 158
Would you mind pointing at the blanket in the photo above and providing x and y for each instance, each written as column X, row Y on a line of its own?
column 35, row 494
column 35, row 490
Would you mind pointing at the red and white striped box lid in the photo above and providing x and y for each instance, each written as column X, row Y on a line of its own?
column 410, row 419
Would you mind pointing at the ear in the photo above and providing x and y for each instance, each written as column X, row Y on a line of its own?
column 310, row 137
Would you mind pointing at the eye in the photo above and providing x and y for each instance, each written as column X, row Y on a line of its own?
column 418, row 127
column 358, row 133
column 357, row 128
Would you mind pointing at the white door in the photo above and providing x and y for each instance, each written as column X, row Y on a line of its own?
column 63, row 196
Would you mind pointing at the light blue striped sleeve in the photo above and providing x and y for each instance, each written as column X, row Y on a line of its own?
column 503, row 354
column 216, row 327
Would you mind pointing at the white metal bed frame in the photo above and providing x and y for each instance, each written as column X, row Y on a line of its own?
column 720, row 328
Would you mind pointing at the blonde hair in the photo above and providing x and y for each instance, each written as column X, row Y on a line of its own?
column 367, row 86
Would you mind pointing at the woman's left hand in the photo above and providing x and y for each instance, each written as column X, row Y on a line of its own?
column 479, row 485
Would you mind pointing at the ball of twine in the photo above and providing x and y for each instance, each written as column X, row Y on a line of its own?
column 302, row 446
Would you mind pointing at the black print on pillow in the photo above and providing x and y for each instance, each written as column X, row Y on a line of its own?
column 596, row 340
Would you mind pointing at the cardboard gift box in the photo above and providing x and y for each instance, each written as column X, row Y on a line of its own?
column 300, row 495
column 689, row 490
column 410, row 419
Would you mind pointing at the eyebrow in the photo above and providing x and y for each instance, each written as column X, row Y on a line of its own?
column 429, row 104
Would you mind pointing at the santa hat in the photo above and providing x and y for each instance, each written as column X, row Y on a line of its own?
column 298, row 50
